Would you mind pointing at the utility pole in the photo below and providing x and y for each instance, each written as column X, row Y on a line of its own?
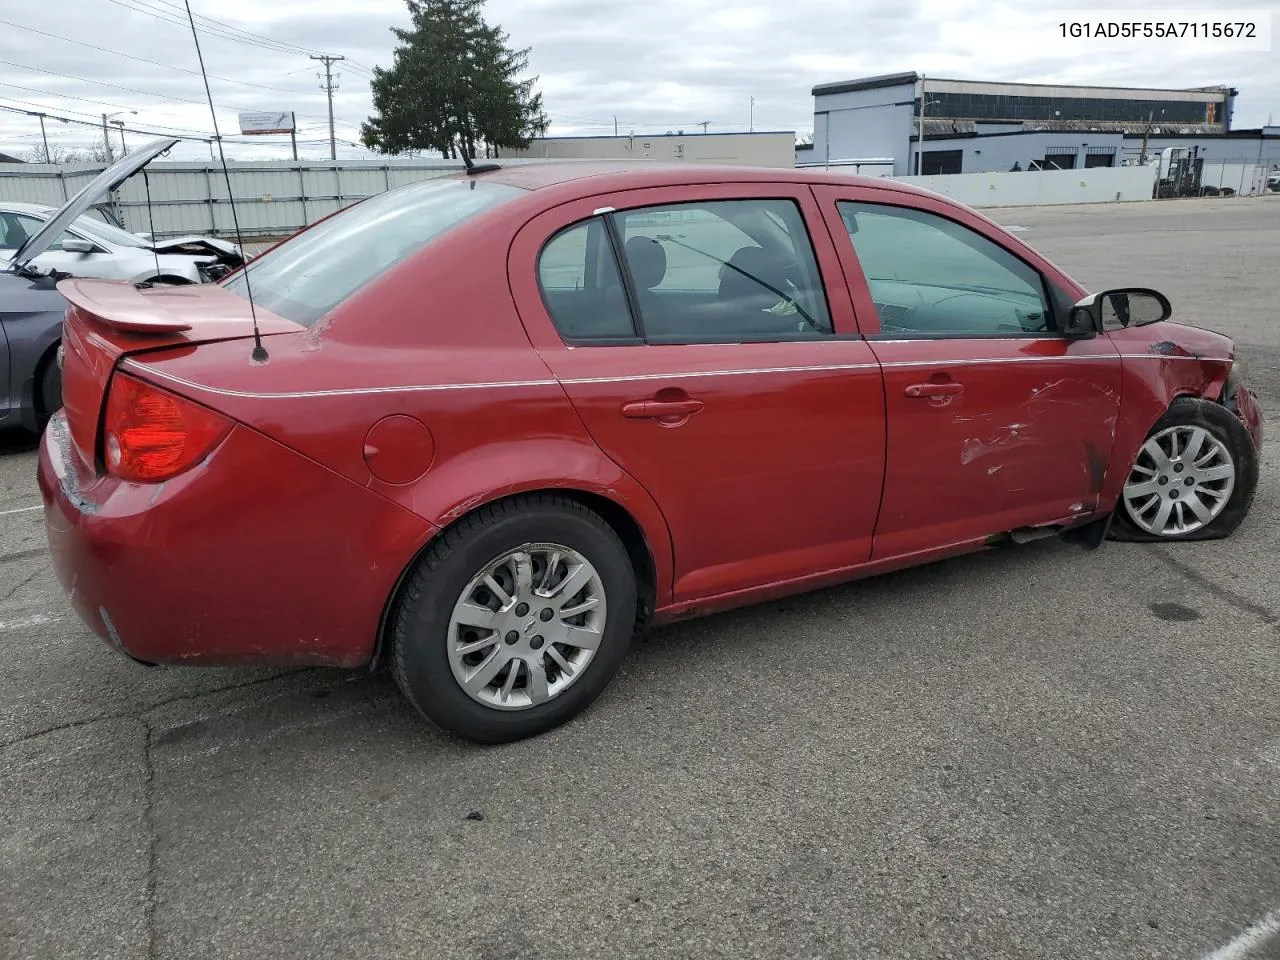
column 106, row 140
column 615, row 126
column 1142, row 156
column 751, row 117
column 48, row 157
column 124, row 149
column 704, row 124
column 328, row 88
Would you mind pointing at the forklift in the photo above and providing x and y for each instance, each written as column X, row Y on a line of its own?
column 1180, row 171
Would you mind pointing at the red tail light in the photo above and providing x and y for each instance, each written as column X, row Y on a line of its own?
column 152, row 434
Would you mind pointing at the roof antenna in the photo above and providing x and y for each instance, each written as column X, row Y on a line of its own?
column 472, row 167
column 259, row 354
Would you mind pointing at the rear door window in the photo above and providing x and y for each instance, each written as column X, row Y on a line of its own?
column 582, row 286
column 724, row 271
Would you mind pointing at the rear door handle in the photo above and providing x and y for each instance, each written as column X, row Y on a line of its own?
column 660, row 409
column 934, row 389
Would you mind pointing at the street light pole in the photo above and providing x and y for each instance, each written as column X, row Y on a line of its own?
column 920, row 131
column 48, row 157
column 106, row 140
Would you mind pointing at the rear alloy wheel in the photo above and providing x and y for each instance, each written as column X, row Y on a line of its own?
column 1194, row 476
column 527, row 626
column 515, row 620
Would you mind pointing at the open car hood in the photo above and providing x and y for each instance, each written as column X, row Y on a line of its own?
column 193, row 246
column 92, row 193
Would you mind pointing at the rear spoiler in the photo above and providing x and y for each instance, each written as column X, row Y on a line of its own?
column 208, row 311
column 121, row 305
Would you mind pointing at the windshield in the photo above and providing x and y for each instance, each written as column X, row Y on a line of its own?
column 306, row 277
column 108, row 233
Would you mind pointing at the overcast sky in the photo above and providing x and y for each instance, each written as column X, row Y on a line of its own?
column 654, row 65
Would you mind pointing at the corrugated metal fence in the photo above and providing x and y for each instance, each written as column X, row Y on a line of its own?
column 273, row 198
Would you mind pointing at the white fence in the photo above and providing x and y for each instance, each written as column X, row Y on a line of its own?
column 277, row 197
column 1035, row 187
column 1241, row 177
column 273, row 198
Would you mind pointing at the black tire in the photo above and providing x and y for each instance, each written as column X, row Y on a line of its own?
column 48, row 388
column 420, row 623
column 1227, row 428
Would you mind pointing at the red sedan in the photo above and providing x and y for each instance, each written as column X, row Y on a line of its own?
column 488, row 423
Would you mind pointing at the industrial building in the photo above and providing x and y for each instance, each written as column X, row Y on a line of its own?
column 762, row 149
column 875, row 125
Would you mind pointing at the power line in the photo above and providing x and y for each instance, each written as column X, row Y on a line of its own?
column 230, row 28
column 156, row 63
column 44, row 109
column 167, row 17
column 187, row 134
column 104, row 83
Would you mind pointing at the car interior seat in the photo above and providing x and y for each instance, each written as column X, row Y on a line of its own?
column 12, row 233
column 647, row 260
column 752, row 280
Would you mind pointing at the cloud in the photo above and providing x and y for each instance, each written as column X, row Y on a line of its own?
column 653, row 65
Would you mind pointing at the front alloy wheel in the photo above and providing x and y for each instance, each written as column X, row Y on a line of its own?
column 1182, row 480
column 1193, row 478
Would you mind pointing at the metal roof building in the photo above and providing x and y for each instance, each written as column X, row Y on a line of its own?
column 875, row 118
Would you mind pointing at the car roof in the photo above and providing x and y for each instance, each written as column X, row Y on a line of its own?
column 21, row 206
column 596, row 176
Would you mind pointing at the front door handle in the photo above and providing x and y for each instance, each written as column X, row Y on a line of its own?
column 661, row 409
column 929, row 390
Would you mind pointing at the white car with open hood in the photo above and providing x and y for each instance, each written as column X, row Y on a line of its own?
column 91, row 247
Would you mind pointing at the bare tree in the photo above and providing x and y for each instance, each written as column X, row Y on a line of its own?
column 61, row 154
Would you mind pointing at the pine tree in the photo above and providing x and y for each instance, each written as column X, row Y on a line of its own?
column 453, row 86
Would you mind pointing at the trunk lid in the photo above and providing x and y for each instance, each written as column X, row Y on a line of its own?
column 109, row 320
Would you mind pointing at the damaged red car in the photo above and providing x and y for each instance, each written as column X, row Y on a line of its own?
column 480, row 428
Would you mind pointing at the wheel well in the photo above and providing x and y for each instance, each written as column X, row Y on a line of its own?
column 617, row 517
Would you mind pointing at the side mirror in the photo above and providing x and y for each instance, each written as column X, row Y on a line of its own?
column 76, row 245
column 1126, row 307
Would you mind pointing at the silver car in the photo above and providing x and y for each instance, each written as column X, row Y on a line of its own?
column 31, row 308
column 92, row 247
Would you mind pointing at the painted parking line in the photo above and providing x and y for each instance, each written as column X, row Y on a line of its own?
column 8, row 513
column 24, row 622
column 1254, row 936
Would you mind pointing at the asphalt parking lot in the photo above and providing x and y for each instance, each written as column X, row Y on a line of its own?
column 1038, row 753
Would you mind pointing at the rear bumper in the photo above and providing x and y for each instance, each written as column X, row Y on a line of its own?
column 257, row 555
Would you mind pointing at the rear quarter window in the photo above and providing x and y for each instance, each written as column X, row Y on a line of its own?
column 306, row 277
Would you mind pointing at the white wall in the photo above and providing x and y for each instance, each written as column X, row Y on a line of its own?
column 1036, row 187
column 1246, row 179
column 273, row 197
column 765, row 149
column 865, row 123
